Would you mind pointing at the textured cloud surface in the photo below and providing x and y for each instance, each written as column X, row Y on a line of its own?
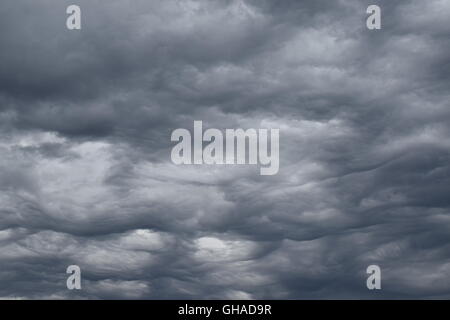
column 86, row 176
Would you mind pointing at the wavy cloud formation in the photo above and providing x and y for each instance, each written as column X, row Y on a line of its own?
column 86, row 176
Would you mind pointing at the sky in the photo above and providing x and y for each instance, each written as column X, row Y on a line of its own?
column 86, row 176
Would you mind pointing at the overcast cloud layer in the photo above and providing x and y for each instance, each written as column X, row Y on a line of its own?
column 85, row 170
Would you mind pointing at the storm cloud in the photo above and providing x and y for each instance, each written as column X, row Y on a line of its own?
column 86, row 176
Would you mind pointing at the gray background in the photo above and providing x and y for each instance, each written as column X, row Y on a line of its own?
column 85, row 170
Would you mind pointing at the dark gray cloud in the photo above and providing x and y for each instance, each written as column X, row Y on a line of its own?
column 86, row 176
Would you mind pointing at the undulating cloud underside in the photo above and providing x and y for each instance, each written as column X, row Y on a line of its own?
column 86, row 176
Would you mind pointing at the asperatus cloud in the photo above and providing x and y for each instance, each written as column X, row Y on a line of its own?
column 224, row 158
